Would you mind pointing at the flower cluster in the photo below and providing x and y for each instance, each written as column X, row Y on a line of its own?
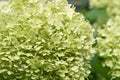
column 109, row 45
column 44, row 40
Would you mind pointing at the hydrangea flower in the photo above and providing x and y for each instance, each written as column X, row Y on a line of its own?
column 109, row 45
column 44, row 40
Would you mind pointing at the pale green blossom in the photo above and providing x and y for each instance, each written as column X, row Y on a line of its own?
column 109, row 45
column 40, row 40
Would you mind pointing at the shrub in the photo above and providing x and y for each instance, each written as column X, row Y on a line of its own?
column 109, row 47
column 44, row 40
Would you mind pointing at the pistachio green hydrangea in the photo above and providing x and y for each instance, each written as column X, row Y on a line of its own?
column 112, row 6
column 109, row 45
column 44, row 40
